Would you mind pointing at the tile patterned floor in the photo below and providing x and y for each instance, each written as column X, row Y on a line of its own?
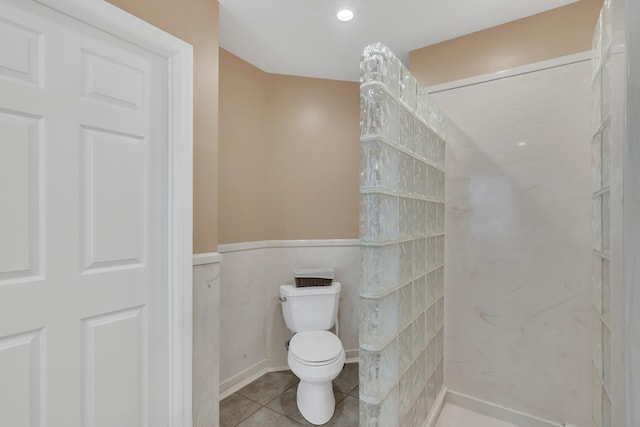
column 270, row 401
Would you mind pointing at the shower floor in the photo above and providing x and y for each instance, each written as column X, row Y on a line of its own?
column 456, row 416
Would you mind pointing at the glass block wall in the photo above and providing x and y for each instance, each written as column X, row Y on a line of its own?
column 601, row 177
column 402, row 177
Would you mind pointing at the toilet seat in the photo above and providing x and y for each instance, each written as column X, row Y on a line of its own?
column 315, row 348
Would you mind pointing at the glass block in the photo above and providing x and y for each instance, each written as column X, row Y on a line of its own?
column 606, row 357
column 383, row 414
column 596, row 222
column 607, row 26
column 606, row 409
column 440, row 313
column 606, row 290
column 606, row 155
column 419, row 178
column 419, row 218
column 419, row 335
column 439, row 339
column 431, row 190
column 405, row 262
column 440, row 250
column 420, row 374
column 422, row 104
column 596, row 277
column 432, row 252
column 405, row 390
column 405, row 349
column 431, row 392
column 378, row 217
column 419, row 295
column 596, row 47
column 408, row 88
column 596, row 101
column 405, row 306
column 606, row 224
column 439, row 218
column 596, row 163
column 405, row 129
column 431, row 294
column 379, row 269
column 378, row 114
column 379, row 64
column 378, row 372
column 405, row 173
column 378, row 321
column 430, row 323
column 420, row 138
column 419, row 258
column 606, row 87
column 432, row 218
column 432, row 147
column 378, row 165
column 597, row 344
column 440, row 282
column 597, row 399
column 420, row 408
column 440, row 153
column 440, row 182
column 405, row 225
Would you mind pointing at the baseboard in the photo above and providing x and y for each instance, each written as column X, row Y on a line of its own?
column 434, row 414
column 353, row 356
column 243, row 378
column 496, row 411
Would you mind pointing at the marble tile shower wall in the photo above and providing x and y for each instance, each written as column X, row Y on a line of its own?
column 601, row 174
column 402, row 244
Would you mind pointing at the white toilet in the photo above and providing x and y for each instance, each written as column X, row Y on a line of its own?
column 316, row 355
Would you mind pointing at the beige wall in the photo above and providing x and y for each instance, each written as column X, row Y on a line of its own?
column 289, row 155
column 547, row 35
column 196, row 22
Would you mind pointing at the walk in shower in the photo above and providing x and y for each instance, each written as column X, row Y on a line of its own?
column 536, row 325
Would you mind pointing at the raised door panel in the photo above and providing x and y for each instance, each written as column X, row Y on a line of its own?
column 20, row 195
column 20, row 52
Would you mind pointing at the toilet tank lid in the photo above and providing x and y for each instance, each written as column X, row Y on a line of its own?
column 292, row 291
column 315, row 273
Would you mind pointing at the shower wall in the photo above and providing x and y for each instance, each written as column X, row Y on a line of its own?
column 402, row 245
column 518, row 274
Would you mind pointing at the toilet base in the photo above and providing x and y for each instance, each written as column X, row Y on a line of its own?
column 316, row 401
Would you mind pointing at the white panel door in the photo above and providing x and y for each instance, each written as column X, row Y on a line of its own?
column 83, row 225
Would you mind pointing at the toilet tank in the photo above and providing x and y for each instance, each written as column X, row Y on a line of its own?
column 312, row 308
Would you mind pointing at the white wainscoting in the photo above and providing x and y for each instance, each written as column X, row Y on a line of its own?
column 206, row 339
column 252, row 330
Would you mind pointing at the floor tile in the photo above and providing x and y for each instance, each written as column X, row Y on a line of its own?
column 355, row 393
column 286, row 404
column 348, row 378
column 455, row 416
column 265, row 417
column 347, row 413
column 268, row 386
column 236, row 408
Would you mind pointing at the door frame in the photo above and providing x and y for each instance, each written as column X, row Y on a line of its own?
column 179, row 54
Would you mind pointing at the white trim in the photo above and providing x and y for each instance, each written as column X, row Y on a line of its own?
column 207, row 258
column 353, row 356
column 108, row 18
column 436, row 409
column 496, row 411
column 246, row 377
column 247, row 246
column 524, row 69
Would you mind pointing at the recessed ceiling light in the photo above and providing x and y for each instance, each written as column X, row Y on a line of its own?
column 522, row 144
column 344, row 14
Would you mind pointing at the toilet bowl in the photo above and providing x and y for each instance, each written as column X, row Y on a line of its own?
column 316, row 358
column 315, row 355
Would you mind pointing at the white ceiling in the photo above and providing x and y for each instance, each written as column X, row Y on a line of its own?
column 303, row 37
